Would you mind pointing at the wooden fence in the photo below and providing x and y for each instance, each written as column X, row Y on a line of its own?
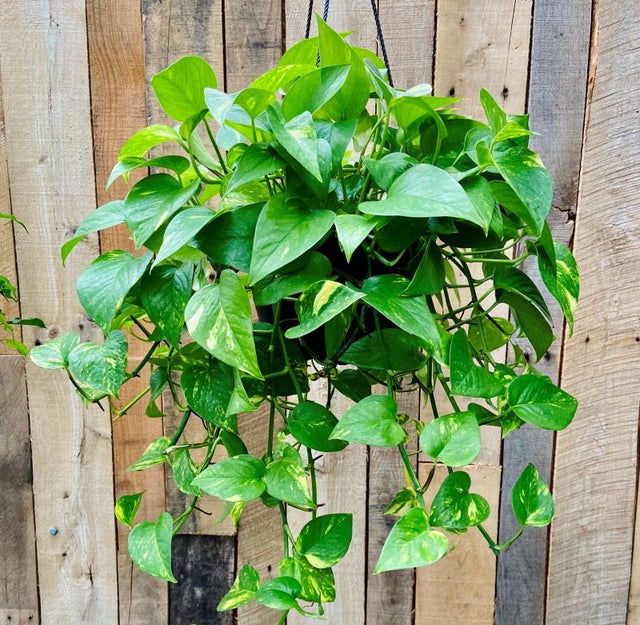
column 74, row 86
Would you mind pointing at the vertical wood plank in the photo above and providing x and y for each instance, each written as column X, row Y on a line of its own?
column 48, row 126
column 556, row 109
column 8, row 257
column 595, row 469
column 18, row 578
column 118, row 109
column 203, row 566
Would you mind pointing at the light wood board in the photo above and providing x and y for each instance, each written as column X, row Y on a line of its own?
column 595, row 471
column 49, row 149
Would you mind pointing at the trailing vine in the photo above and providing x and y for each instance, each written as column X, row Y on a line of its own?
column 380, row 249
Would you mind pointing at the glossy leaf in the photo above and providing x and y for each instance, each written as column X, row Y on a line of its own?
column 531, row 500
column 490, row 334
column 563, row 282
column 177, row 164
column 126, row 508
column 284, row 232
column 353, row 384
column 405, row 499
column 412, row 543
column 372, row 421
column 105, row 283
column 145, row 139
column 150, row 547
column 55, row 353
column 184, row 470
column 352, row 230
column 516, row 281
column 100, row 368
column 286, row 479
column 452, row 439
column 429, row 276
column 319, row 303
column 207, row 390
column 218, row 317
column 243, row 590
column 239, row 478
column 467, row 378
column 279, row 593
column 496, row 117
column 536, row 400
column 454, row 507
column 311, row 424
column 259, row 160
column 181, row 230
column 386, row 170
column 317, row 585
column 180, row 87
column 427, row 191
column 325, row 540
column 154, row 454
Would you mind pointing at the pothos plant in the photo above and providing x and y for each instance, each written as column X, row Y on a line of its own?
column 380, row 236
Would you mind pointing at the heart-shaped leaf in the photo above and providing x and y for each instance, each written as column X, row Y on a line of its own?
column 325, row 540
column 317, row 585
column 243, row 590
column 311, row 424
column 126, row 508
column 467, row 378
column 372, row 421
column 100, row 368
column 150, row 547
column 154, row 454
column 279, row 593
column 412, row 543
column 453, row 439
column 55, row 353
column 286, row 479
column 239, row 478
column 531, row 500
column 454, row 507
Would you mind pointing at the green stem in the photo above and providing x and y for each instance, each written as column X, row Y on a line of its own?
column 492, row 543
column 215, row 147
column 143, row 362
column 285, row 527
column 314, row 484
column 412, row 475
column 505, row 546
column 122, row 411
column 181, row 426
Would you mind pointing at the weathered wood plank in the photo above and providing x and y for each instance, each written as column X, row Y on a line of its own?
column 49, row 146
column 595, row 468
column 203, row 566
column 139, row 592
column 556, row 110
column 18, row 578
column 8, row 257
column 459, row 589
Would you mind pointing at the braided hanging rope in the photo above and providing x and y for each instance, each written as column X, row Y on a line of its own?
column 376, row 17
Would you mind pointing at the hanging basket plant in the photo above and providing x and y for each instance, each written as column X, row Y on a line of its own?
column 380, row 235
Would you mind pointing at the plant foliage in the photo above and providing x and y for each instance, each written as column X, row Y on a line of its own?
column 381, row 236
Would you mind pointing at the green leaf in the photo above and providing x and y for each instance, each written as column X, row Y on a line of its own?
column 260, row 159
column 254, row 101
column 239, row 478
column 181, row 230
column 563, row 282
column 353, row 96
column 487, row 335
column 427, row 191
column 402, row 350
column 284, row 232
column 311, row 91
column 151, row 201
column 325, row 540
column 55, row 353
column 411, row 314
column 496, row 117
column 516, row 281
column 412, row 543
column 100, row 368
column 353, row 384
column 286, row 479
column 110, row 214
column 13, row 218
column 531, row 500
column 536, row 400
column 27, row 321
column 386, row 170
column 154, row 454
column 207, row 390
column 454, row 507
column 240, row 401
column 338, row 135
column 452, row 439
column 178, row 164
column 352, row 230
column 279, row 593
column 467, row 378
column 429, row 276
column 229, row 238
column 150, row 547
column 317, row 585
column 180, row 87
column 311, row 424
column 218, row 317
column 104, row 284
column 145, row 139
column 315, row 267
column 126, row 508
column 319, row 303
column 526, row 175
column 184, row 470
column 164, row 293
column 372, row 421
column 405, row 499
column 243, row 590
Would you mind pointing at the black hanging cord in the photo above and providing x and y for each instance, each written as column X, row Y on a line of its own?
column 376, row 17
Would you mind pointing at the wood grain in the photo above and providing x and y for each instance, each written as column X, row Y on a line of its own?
column 18, row 578
column 203, row 566
column 460, row 588
column 595, row 471
column 49, row 150
column 556, row 109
